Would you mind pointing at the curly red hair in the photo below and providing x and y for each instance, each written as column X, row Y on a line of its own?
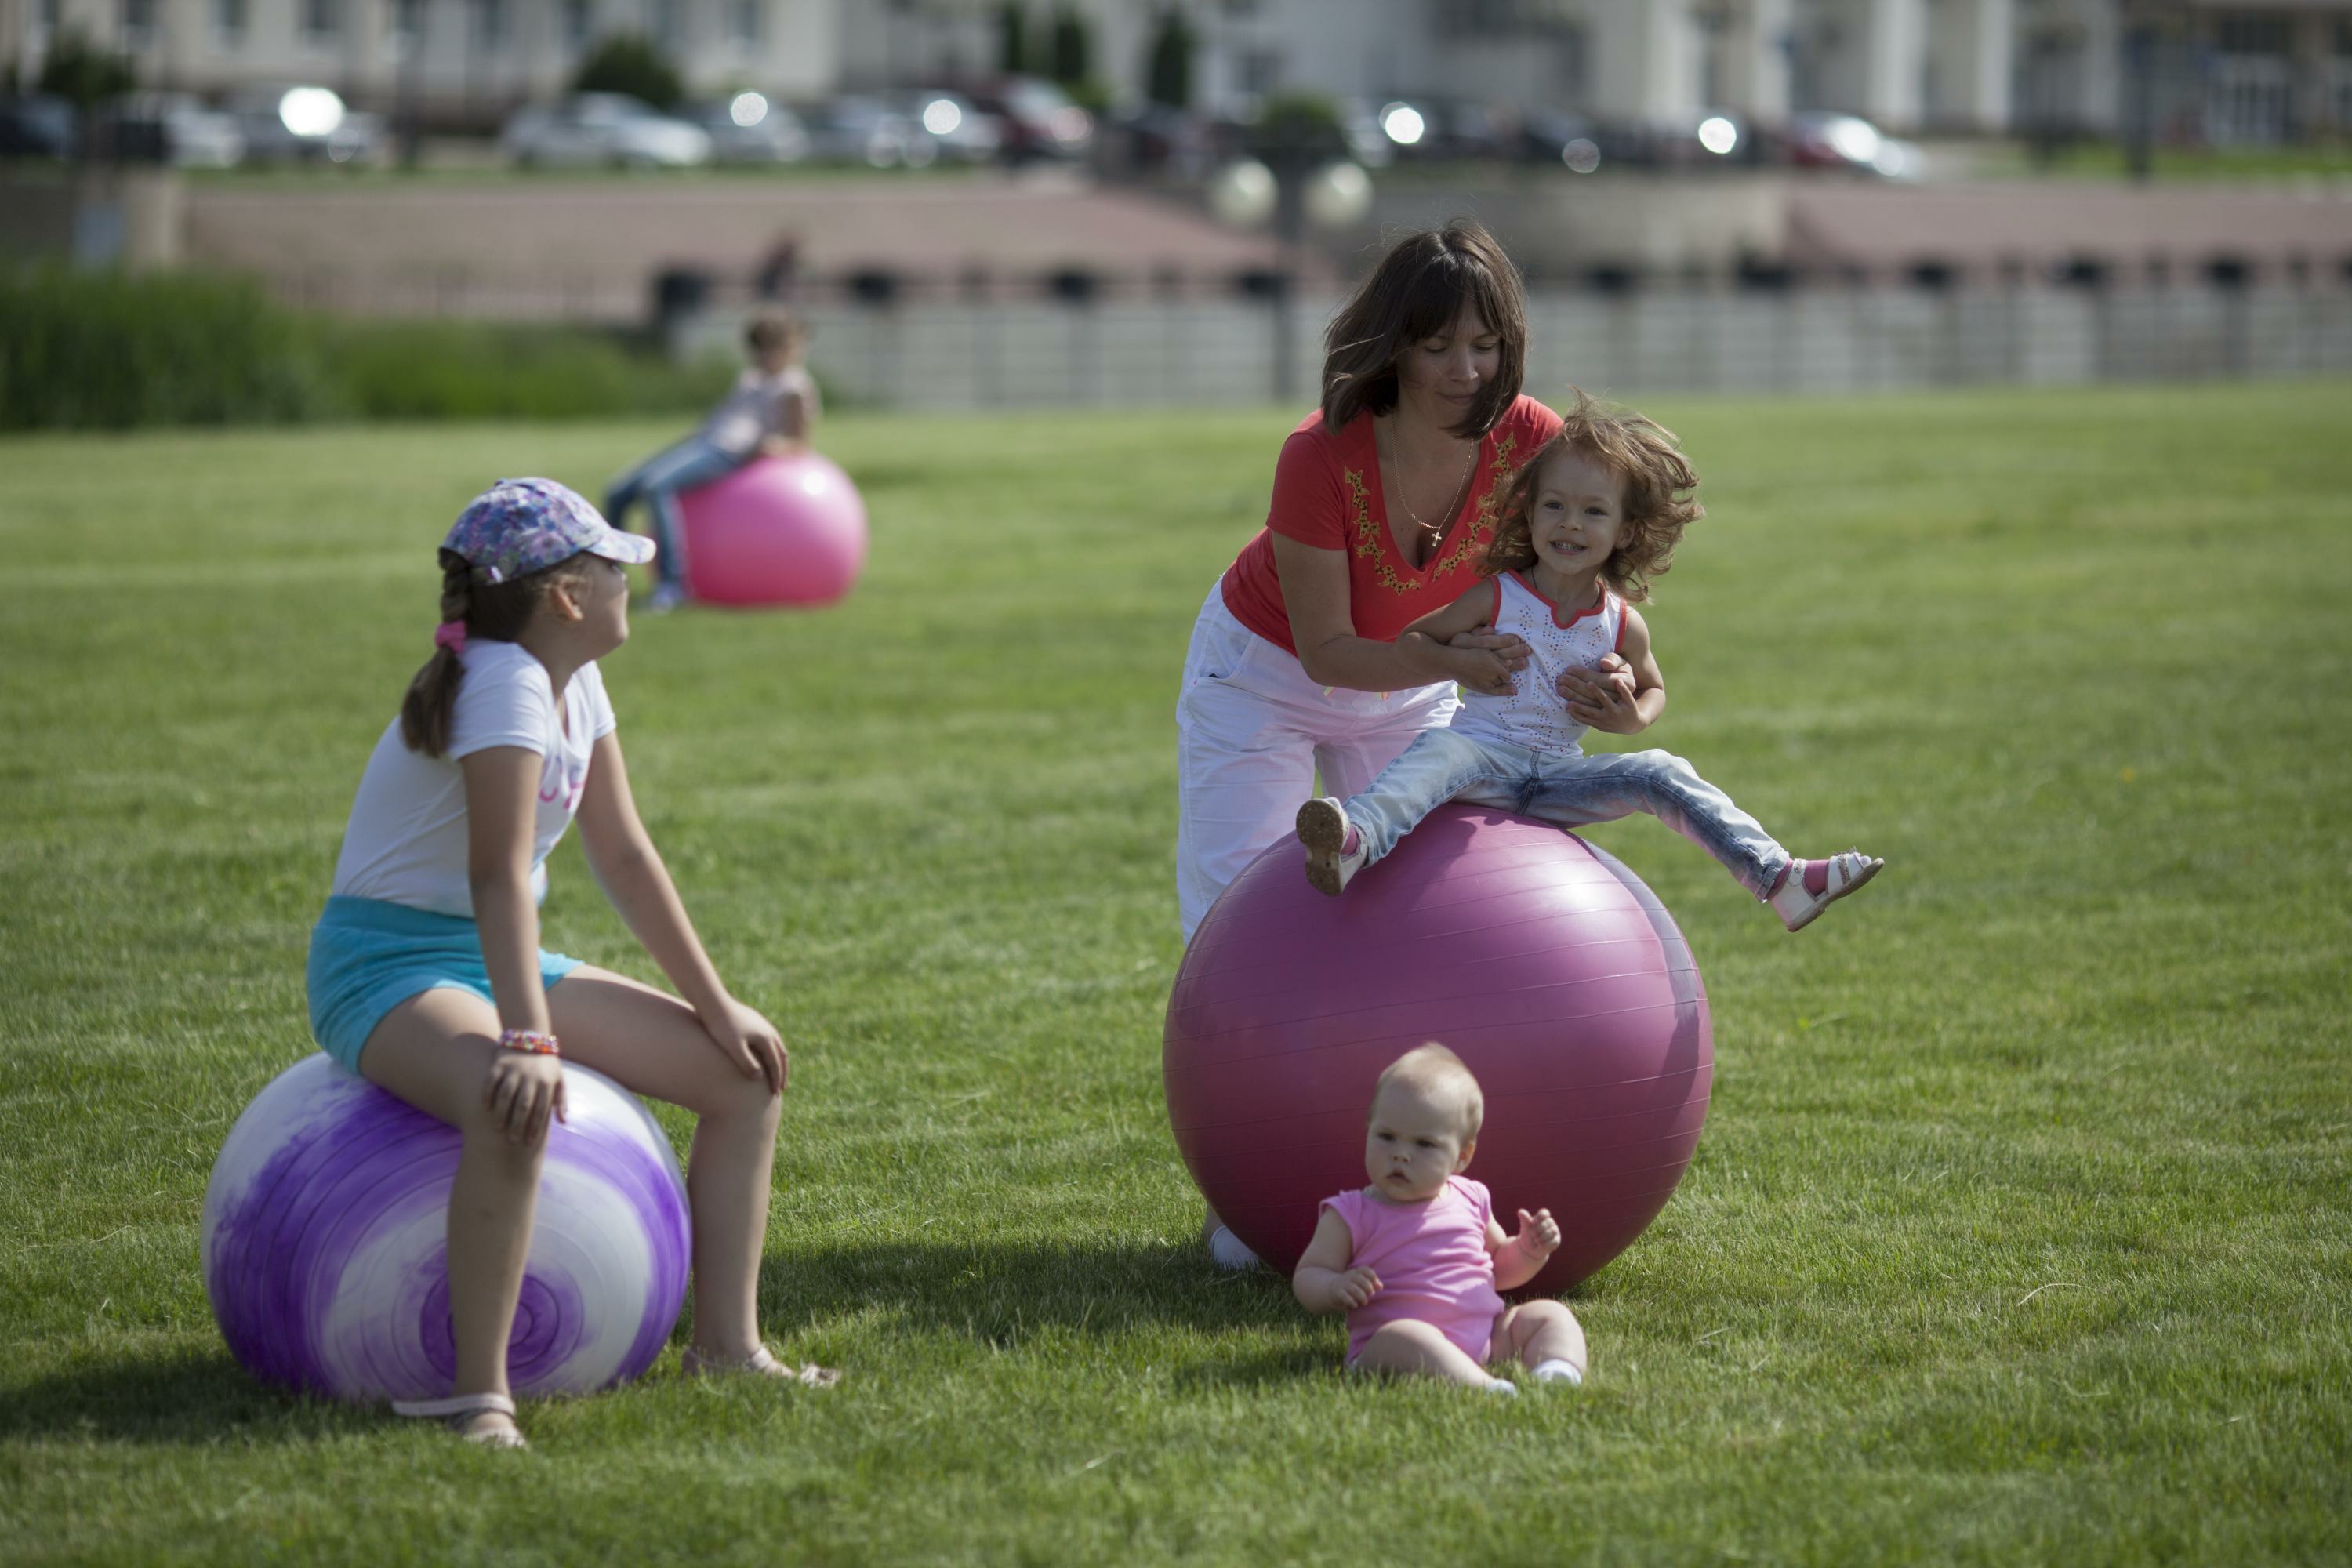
column 1658, row 506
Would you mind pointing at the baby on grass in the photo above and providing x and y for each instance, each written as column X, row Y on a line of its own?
column 1415, row 1259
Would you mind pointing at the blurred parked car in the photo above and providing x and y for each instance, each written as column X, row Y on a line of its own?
column 166, row 127
column 36, row 126
column 1367, row 143
column 855, row 130
column 304, row 123
column 602, row 129
column 1035, row 119
column 1824, row 141
column 963, row 133
column 750, row 128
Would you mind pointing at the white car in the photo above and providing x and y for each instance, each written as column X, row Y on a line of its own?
column 306, row 125
column 603, row 129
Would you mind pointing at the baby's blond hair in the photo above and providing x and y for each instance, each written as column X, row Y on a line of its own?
column 1438, row 1074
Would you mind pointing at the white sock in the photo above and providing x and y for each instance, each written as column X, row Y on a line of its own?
column 1228, row 1251
column 1502, row 1385
column 1559, row 1371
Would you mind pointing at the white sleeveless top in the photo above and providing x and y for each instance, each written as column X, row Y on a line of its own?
column 1534, row 716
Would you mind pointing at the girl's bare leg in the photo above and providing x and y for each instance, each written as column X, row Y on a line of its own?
column 435, row 1051
column 653, row 1044
column 1407, row 1346
column 1538, row 1332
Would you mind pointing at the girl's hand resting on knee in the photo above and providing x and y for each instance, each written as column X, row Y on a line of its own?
column 522, row 1089
column 751, row 1042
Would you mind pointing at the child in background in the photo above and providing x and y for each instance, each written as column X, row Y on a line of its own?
column 1593, row 515
column 426, row 972
column 1415, row 1259
column 770, row 411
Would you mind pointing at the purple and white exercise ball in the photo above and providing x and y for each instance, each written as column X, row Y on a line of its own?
column 326, row 1241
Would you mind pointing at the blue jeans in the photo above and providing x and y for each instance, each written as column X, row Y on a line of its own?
column 657, row 481
column 1568, row 788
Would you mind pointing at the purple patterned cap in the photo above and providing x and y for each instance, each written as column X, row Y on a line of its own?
column 519, row 526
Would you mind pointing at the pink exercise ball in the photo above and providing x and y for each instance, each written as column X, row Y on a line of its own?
column 1548, row 967
column 777, row 531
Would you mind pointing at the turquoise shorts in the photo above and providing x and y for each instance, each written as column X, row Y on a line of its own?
column 368, row 956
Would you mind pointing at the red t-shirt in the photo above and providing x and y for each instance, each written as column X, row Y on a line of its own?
column 1326, row 493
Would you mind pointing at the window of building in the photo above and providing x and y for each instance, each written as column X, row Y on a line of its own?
column 228, row 22
column 321, row 19
column 403, row 21
column 492, row 23
column 575, row 23
column 1492, row 19
column 138, row 23
column 664, row 23
column 747, row 21
column 1258, row 70
column 2255, row 35
column 1241, row 7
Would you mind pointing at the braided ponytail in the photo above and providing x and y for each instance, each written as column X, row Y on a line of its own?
column 433, row 694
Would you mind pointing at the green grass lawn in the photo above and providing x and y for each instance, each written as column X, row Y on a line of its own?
column 2019, row 1232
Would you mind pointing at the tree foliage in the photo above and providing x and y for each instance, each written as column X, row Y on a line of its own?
column 633, row 64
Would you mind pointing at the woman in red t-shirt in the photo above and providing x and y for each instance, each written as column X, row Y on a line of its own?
column 1379, row 514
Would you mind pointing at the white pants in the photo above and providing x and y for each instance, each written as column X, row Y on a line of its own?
column 1251, row 732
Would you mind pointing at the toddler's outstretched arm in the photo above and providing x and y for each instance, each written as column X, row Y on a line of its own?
column 1323, row 1282
column 1519, row 1258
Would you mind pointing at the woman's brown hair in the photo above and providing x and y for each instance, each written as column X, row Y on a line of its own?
column 495, row 611
column 1417, row 292
column 1658, row 506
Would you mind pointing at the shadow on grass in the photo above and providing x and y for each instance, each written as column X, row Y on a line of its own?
column 182, row 1399
column 1004, row 1293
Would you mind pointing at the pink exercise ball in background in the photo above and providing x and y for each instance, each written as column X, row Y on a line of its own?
column 1548, row 967
column 777, row 531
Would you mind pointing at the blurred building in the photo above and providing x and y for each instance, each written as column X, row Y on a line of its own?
column 2221, row 70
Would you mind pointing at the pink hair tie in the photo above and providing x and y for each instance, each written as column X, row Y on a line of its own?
column 450, row 634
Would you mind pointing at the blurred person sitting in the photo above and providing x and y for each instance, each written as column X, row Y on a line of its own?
column 770, row 412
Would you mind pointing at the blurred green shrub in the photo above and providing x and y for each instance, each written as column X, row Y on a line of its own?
column 633, row 64
column 472, row 370
column 105, row 351
column 84, row 351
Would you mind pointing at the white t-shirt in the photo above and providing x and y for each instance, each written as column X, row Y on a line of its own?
column 753, row 409
column 405, row 842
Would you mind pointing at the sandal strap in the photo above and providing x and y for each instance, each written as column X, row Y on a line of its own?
column 455, row 1405
column 694, row 1364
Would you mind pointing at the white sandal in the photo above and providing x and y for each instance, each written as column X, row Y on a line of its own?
column 760, row 1363
column 459, row 1408
column 1322, row 827
column 1849, row 870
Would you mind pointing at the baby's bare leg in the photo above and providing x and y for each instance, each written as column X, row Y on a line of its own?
column 1406, row 1346
column 1538, row 1332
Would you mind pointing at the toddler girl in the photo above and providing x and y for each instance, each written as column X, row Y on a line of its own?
column 426, row 972
column 1594, row 513
column 1415, row 1259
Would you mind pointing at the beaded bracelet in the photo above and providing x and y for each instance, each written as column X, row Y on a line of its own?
column 529, row 1040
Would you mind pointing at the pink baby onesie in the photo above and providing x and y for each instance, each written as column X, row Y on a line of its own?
column 1433, row 1261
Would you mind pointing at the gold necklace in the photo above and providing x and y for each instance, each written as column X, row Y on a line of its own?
column 1439, row 526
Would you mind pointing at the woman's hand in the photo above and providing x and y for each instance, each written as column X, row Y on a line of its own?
column 749, row 1041
column 1486, row 669
column 522, row 1089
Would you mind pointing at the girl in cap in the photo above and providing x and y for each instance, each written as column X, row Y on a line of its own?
column 426, row 972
